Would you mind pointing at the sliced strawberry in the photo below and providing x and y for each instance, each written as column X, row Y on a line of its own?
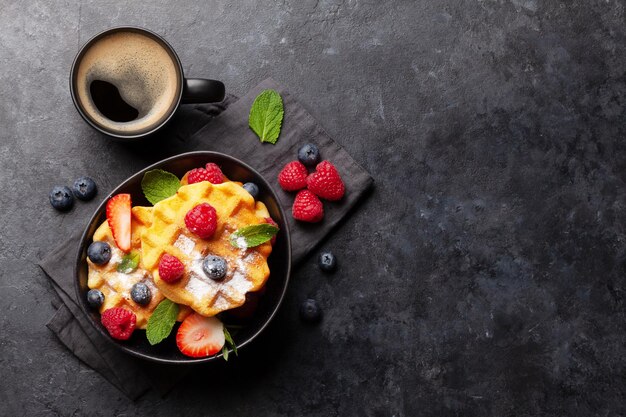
column 200, row 336
column 118, row 216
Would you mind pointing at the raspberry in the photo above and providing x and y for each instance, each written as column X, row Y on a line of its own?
column 273, row 223
column 215, row 175
column 211, row 173
column 202, row 220
column 325, row 182
column 197, row 175
column 293, row 176
column 307, row 207
column 171, row 269
column 119, row 322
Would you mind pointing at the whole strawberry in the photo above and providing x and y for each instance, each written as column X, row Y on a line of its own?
column 119, row 322
column 293, row 176
column 307, row 207
column 326, row 182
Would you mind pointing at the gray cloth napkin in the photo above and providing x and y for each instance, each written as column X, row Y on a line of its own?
column 225, row 129
column 230, row 134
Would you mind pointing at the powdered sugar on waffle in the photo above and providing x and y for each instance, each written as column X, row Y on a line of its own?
column 234, row 286
column 242, row 243
column 121, row 282
column 185, row 244
column 197, row 286
column 116, row 256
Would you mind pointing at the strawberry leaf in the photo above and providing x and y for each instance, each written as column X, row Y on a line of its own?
column 230, row 344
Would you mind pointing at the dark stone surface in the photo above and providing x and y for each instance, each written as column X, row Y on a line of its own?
column 484, row 276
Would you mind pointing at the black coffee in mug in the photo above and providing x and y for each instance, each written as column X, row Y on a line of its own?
column 127, row 83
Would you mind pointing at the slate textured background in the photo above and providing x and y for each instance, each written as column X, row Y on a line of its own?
column 485, row 274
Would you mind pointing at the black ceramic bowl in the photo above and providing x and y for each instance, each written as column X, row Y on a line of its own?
column 279, row 261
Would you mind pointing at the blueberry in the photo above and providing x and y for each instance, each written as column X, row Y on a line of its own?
column 99, row 253
column 84, row 188
column 61, row 198
column 214, row 267
column 141, row 294
column 252, row 188
column 310, row 311
column 327, row 261
column 95, row 298
column 309, row 155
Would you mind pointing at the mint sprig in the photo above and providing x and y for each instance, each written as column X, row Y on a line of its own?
column 128, row 263
column 158, row 185
column 266, row 116
column 251, row 236
column 161, row 322
column 230, row 344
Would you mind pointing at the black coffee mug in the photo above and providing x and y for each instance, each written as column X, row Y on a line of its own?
column 136, row 84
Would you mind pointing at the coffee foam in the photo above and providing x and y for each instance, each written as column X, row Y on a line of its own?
column 143, row 71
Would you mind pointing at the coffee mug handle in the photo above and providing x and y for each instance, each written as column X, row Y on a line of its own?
column 200, row 90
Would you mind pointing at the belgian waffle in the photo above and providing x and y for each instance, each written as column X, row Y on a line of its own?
column 116, row 285
column 247, row 268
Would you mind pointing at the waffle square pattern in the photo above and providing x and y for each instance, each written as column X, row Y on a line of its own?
column 247, row 269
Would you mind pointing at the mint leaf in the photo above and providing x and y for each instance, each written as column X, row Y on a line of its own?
column 158, row 185
column 230, row 344
column 266, row 116
column 128, row 263
column 161, row 321
column 251, row 236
